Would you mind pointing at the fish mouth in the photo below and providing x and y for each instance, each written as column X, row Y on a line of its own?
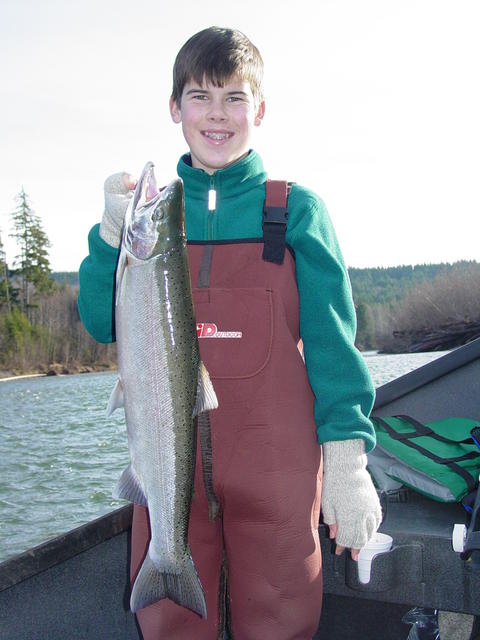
column 149, row 190
column 146, row 189
column 144, row 205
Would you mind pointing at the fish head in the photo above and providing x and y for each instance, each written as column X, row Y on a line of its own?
column 155, row 220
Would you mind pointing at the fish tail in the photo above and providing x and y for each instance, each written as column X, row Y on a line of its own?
column 183, row 588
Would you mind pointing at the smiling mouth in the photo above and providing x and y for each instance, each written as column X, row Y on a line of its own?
column 217, row 135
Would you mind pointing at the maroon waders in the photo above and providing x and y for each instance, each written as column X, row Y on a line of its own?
column 266, row 460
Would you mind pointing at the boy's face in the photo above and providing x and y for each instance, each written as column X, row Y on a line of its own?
column 217, row 122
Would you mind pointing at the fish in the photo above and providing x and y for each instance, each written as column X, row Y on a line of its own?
column 163, row 386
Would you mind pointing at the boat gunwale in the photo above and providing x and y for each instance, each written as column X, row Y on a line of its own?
column 429, row 372
column 38, row 559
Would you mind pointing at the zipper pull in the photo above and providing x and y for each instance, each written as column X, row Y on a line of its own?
column 212, row 196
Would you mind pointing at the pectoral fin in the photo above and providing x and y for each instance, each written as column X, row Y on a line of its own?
column 116, row 398
column 130, row 488
column 205, row 398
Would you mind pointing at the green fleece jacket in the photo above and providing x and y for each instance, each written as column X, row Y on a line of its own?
column 338, row 376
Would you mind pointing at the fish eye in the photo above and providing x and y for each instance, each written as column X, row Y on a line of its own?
column 158, row 213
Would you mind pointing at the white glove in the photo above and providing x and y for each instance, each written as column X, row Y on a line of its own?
column 117, row 191
column 349, row 498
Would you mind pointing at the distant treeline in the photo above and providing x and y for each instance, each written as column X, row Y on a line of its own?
column 375, row 285
column 65, row 277
column 40, row 329
column 393, row 306
column 389, row 285
column 50, row 338
column 396, row 305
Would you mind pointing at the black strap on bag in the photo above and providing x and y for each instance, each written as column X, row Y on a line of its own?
column 420, row 430
column 275, row 220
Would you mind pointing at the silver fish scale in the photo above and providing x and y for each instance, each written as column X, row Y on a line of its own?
column 158, row 366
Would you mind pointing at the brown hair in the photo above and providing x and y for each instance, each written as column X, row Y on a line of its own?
column 217, row 55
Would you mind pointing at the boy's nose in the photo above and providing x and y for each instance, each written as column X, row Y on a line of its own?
column 217, row 111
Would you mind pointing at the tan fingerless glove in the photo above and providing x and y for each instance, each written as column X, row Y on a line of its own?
column 349, row 498
column 117, row 197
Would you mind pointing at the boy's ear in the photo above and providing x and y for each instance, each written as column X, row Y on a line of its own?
column 260, row 113
column 175, row 111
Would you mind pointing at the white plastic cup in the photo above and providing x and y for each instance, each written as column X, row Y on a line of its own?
column 459, row 537
column 379, row 543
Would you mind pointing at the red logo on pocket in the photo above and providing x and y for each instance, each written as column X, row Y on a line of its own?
column 206, row 329
column 210, row 330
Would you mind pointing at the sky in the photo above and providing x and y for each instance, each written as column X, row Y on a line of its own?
column 373, row 104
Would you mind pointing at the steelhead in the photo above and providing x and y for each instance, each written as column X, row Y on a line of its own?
column 162, row 384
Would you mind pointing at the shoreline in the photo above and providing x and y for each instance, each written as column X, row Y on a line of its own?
column 25, row 375
column 56, row 369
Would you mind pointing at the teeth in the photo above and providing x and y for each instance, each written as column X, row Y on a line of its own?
column 217, row 136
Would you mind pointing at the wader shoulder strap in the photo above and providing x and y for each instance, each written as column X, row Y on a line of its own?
column 275, row 219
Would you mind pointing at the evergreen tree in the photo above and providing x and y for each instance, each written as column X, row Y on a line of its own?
column 5, row 287
column 32, row 263
column 39, row 262
column 365, row 327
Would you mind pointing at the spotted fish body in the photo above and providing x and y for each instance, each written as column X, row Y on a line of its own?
column 162, row 385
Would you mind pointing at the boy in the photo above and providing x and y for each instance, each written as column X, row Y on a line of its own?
column 267, row 471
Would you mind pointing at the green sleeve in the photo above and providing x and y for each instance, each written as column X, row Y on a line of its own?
column 97, row 288
column 338, row 375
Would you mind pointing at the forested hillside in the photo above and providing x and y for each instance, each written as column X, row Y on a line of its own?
column 40, row 329
column 422, row 307
column 376, row 285
column 65, row 277
column 397, row 305
column 396, row 308
column 389, row 285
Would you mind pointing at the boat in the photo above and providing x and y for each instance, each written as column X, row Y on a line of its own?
column 76, row 585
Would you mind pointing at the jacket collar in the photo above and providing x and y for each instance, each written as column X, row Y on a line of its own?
column 232, row 181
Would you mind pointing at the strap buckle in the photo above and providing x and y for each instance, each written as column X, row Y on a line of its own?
column 275, row 215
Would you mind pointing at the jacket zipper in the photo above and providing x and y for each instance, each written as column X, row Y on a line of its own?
column 212, row 206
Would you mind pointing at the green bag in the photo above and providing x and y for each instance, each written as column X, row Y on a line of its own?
column 438, row 459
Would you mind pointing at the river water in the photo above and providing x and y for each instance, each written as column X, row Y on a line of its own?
column 60, row 456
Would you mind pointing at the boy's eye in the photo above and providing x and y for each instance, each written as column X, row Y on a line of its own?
column 199, row 96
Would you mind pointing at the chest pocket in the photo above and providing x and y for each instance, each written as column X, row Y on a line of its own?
column 235, row 330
